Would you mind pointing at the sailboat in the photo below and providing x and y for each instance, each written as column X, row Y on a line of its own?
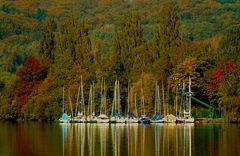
column 75, row 117
column 169, row 118
column 131, row 117
column 180, row 118
column 93, row 118
column 103, row 118
column 114, row 114
column 64, row 118
column 81, row 115
column 157, row 117
column 187, row 114
column 143, row 118
column 116, row 107
column 120, row 118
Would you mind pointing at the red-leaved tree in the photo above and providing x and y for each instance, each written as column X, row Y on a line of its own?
column 218, row 74
column 28, row 77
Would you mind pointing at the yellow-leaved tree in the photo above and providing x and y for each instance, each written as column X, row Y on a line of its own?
column 144, row 89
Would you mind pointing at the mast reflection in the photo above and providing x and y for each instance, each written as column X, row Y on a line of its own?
column 127, row 139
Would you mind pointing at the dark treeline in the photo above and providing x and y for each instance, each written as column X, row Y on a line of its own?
column 66, row 52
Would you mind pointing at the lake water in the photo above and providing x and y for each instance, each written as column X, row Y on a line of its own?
column 46, row 139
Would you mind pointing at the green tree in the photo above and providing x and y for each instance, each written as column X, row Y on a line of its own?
column 8, row 110
column 228, row 90
column 230, row 45
column 47, row 42
column 167, row 35
column 127, row 39
column 73, row 40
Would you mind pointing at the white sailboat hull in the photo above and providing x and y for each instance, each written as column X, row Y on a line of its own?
column 189, row 120
column 120, row 120
column 64, row 121
column 169, row 119
column 102, row 120
column 157, row 121
column 112, row 120
column 132, row 120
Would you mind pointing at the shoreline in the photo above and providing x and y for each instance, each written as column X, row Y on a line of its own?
column 197, row 120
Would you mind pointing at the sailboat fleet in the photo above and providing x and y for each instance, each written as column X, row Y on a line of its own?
column 87, row 113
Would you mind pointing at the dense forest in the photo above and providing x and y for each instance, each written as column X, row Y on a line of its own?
column 48, row 45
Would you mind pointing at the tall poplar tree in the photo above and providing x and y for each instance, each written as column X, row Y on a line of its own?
column 73, row 41
column 127, row 39
column 47, row 43
column 167, row 35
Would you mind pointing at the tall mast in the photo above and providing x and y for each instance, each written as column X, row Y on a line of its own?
column 105, row 98
column 176, row 100
column 163, row 99
column 82, row 97
column 63, row 101
column 167, row 99
column 70, row 101
column 93, row 104
column 90, row 101
column 142, row 93
column 131, row 99
column 101, row 96
column 184, row 97
column 115, row 98
column 76, row 110
column 158, row 100
column 135, row 102
column 155, row 98
column 190, row 93
column 128, row 99
column 118, row 97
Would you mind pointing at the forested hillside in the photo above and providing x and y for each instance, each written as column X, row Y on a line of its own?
column 48, row 45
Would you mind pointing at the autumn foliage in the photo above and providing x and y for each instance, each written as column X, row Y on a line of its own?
column 218, row 74
column 215, row 81
column 29, row 76
column 139, row 43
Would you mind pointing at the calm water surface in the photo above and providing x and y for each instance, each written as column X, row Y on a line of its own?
column 46, row 139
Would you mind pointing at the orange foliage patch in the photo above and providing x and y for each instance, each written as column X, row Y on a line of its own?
column 27, row 5
column 214, row 41
column 205, row 4
column 227, row 22
column 183, row 4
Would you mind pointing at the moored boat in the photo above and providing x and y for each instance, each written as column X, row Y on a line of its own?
column 156, row 118
column 102, row 118
column 64, row 117
column 169, row 119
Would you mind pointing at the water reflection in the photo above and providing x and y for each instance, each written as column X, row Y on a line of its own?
column 127, row 139
column 64, row 128
column 46, row 139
